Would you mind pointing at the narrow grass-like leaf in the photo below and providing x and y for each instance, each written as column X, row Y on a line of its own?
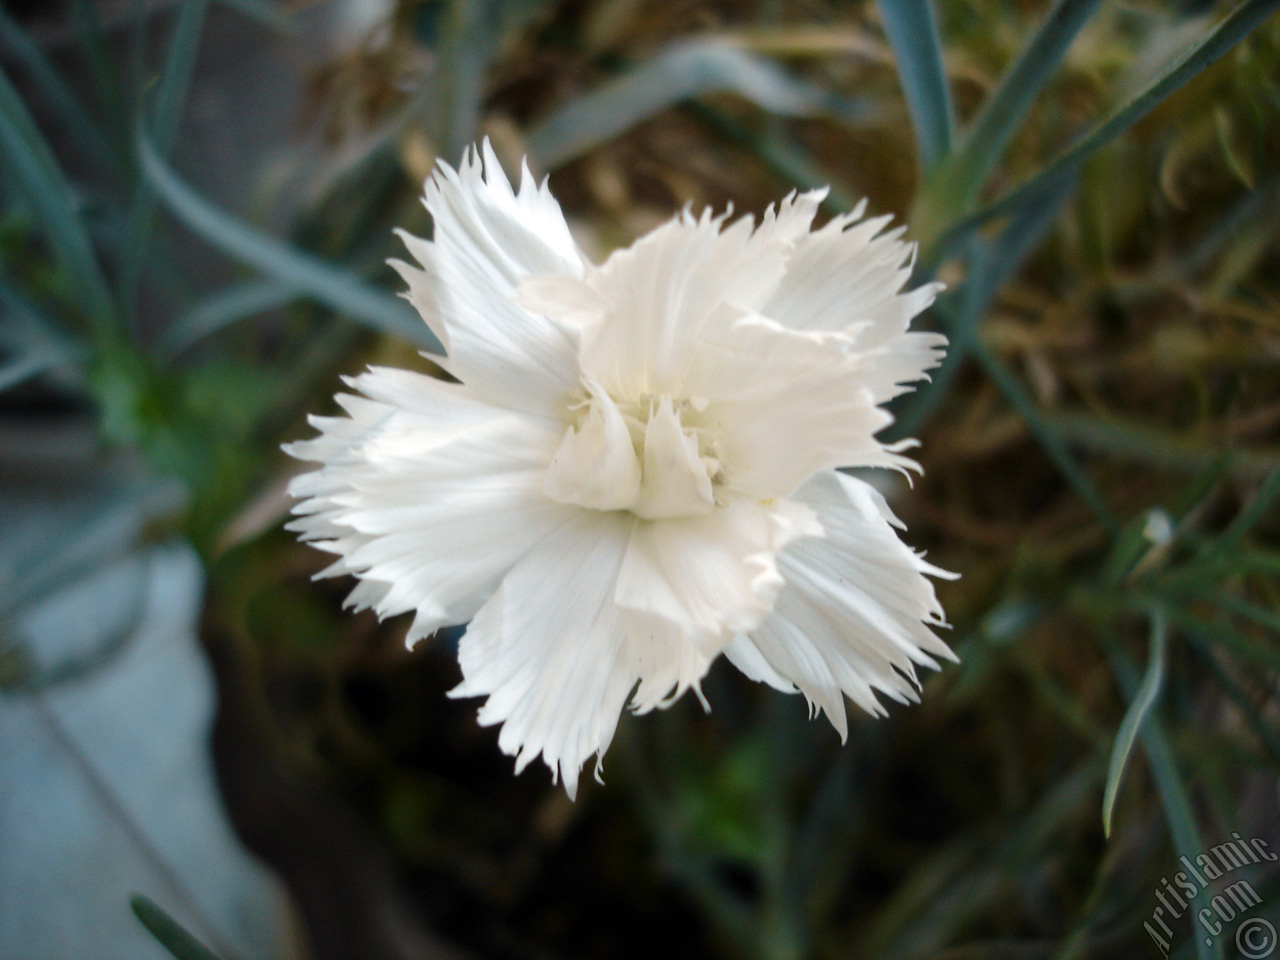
column 1024, row 232
column 1202, row 574
column 1254, row 510
column 171, row 92
column 786, row 159
column 1255, row 561
column 306, row 275
column 1231, row 30
column 681, row 72
column 33, row 343
column 171, row 934
column 264, row 12
column 24, row 322
column 1250, row 611
column 222, row 310
column 139, row 44
column 1144, row 444
column 1128, row 548
column 1226, row 636
column 1252, row 207
column 62, row 102
column 471, row 35
column 1169, row 784
column 912, row 29
column 34, row 170
column 990, row 266
column 1048, row 437
column 655, row 805
column 22, row 367
column 106, row 79
column 465, row 48
column 1062, row 700
column 985, row 140
column 959, row 313
column 950, row 889
column 825, row 849
column 1180, row 817
column 1197, row 491
column 169, row 97
column 1264, row 729
column 1145, row 698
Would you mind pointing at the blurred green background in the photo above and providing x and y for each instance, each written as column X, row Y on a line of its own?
column 196, row 202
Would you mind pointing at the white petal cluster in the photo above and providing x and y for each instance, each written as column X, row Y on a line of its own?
column 636, row 472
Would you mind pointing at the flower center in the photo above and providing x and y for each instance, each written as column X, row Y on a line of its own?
column 646, row 455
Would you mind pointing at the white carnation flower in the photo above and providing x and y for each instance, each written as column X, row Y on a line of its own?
column 637, row 471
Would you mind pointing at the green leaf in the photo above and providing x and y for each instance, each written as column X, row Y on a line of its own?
column 472, row 34
column 1143, row 444
column 1128, row 548
column 168, row 931
column 1263, row 728
column 59, row 97
column 1214, row 44
column 1141, row 705
column 1253, row 511
column 222, row 310
column 106, row 81
column 170, row 94
column 1254, row 209
column 30, row 162
column 1169, row 784
column 34, row 343
column 1048, row 437
column 25, row 321
column 1178, row 814
column 787, row 159
column 264, row 12
column 1201, row 485
column 990, row 266
column 1268, row 619
column 681, row 72
column 22, row 367
column 912, row 29
column 308, row 276
column 985, row 140
column 1227, row 637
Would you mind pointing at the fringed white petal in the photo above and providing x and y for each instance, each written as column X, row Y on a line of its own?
column 666, row 662
column 549, row 649
column 595, row 465
column 790, row 220
column 427, row 494
column 849, row 277
column 675, row 482
column 712, row 576
column 673, row 286
column 856, row 615
column 786, row 404
column 487, row 237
